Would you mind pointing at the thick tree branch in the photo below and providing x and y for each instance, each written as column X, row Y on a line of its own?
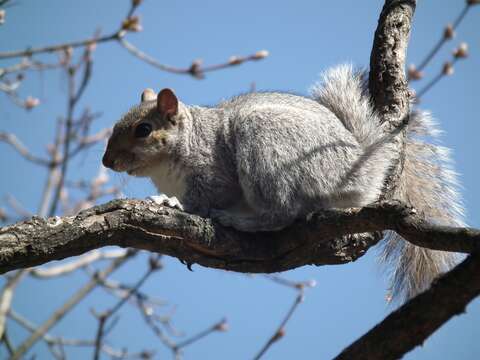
column 144, row 225
column 387, row 82
column 415, row 321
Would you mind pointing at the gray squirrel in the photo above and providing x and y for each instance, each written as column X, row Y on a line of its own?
column 259, row 161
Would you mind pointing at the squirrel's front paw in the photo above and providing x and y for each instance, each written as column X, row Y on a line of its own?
column 164, row 200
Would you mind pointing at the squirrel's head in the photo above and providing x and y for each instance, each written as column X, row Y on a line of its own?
column 146, row 134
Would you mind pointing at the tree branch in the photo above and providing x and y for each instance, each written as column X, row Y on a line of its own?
column 67, row 306
column 54, row 48
column 415, row 321
column 144, row 225
column 387, row 82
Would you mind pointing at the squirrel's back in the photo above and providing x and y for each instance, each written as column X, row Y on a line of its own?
column 299, row 147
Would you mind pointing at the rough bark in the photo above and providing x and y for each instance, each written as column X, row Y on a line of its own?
column 409, row 326
column 387, row 82
column 145, row 225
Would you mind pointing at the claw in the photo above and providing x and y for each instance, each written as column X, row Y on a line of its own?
column 188, row 264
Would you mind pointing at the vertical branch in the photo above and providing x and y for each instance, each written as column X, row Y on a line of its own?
column 6, row 298
column 73, row 98
column 53, row 173
column 102, row 318
column 105, row 316
column 387, row 82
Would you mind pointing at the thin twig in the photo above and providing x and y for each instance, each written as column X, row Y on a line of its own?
column 99, row 336
column 90, row 140
column 149, row 320
column 435, row 80
column 74, row 97
column 222, row 325
column 61, row 341
column 13, row 141
column 120, row 290
column 28, row 64
column 148, row 59
column 297, row 285
column 82, row 261
column 53, row 48
column 135, row 288
column 6, row 299
column 280, row 332
column 53, row 173
column 105, row 316
column 444, row 39
column 16, row 206
column 196, row 69
column 8, row 343
column 68, row 305
column 27, row 324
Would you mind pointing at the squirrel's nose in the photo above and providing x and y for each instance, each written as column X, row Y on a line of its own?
column 108, row 160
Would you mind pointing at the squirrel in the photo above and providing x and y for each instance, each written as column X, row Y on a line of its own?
column 259, row 161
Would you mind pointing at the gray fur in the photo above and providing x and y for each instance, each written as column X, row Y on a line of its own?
column 259, row 161
column 429, row 184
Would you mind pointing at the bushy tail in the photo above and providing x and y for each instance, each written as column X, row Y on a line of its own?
column 428, row 182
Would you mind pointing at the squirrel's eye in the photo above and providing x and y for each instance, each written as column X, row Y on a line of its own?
column 143, row 130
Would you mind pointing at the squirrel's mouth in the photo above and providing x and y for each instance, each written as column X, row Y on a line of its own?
column 133, row 171
column 136, row 171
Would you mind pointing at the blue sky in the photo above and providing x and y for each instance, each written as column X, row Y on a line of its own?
column 303, row 38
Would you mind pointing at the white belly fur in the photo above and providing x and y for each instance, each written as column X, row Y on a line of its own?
column 169, row 179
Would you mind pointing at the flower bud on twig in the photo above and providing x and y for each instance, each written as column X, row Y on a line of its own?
column 222, row 326
column 235, row 60
column 461, row 52
column 196, row 69
column 132, row 24
column 449, row 33
column 31, row 102
column 260, row 54
column 413, row 73
column 447, row 68
column 278, row 335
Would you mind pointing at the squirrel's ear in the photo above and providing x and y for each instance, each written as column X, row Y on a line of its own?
column 167, row 103
column 148, row 95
